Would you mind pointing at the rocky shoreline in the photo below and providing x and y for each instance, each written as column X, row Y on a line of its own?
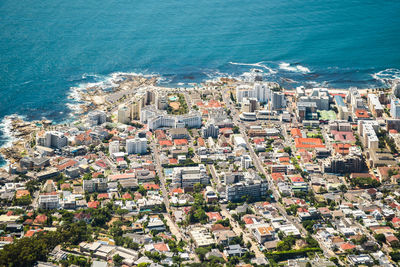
column 21, row 130
column 91, row 98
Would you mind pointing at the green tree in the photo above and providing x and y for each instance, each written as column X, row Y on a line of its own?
column 288, row 150
column 380, row 238
column 201, row 252
column 117, row 260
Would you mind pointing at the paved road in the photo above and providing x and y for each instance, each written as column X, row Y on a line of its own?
column 174, row 228
column 246, row 236
column 260, row 168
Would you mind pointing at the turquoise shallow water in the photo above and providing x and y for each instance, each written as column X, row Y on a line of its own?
column 46, row 47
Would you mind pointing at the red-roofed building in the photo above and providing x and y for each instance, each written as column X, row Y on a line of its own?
column 103, row 196
column 396, row 222
column 126, row 196
column 342, row 149
column 93, row 204
column 214, row 104
column 40, row 219
column 30, row 233
column 248, row 220
column 302, row 210
column 284, row 159
column 160, row 135
column 7, row 239
column 161, row 247
column 101, row 164
column 83, row 139
column 361, row 114
column 226, row 131
column 258, row 140
column 180, row 142
column 67, row 164
column 347, row 246
column 296, row 133
column 200, row 142
column 277, row 176
column 164, row 236
column 151, row 186
column 117, row 177
column 176, row 191
column 218, row 227
column 22, row 193
column 165, row 143
column 214, row 216
column 173, row 161
column 308, row 143
column 81, row 216
column 297, row 179
column 341, row 136
column 10, row 213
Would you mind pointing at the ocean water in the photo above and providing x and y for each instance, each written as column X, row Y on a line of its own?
column 47, row 47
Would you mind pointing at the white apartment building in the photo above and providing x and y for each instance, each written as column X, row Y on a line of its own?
column 367, row 132
column 113, row 147
column 49, row 201
column 123, row 114
column 260, row 91
column 136, row 146
column 187, row 177
column 52, row 139
column 395, row 107
column 96, row 117
column 95, row 185
column 210, row 130
column 278, row 101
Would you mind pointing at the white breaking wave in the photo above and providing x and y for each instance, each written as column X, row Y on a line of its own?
column 6, row 129
column 387, row 76
column 8, row 135
column 314, row 84
column 103, row 83
column 295, row 68
column 259, row 65
column 214, row 76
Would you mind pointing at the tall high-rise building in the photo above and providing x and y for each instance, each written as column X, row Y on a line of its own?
column 96, row 117
column 113, row 147
column 253, row 188
column 162, row 101
column 396, row 89
column 210, row 130
column 278, row 101
column 136, row 146
column 123, row 114
column 395, row 107
column 136, row 108
column 52, row 139
column 260, row 91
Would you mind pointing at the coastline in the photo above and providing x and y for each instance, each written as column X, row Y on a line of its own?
column 18, row 131
column 106, row 94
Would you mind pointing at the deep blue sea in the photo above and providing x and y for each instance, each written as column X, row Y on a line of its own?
column 47, row 47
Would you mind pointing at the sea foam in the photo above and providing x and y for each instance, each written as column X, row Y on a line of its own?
column 293, row 68
column 258, row 64
column 387, row 76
